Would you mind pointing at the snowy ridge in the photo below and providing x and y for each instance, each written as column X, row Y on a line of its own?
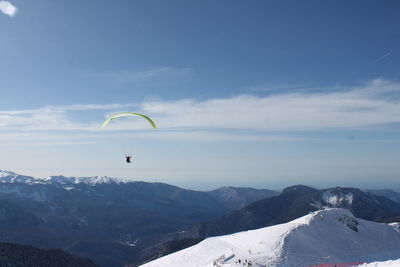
column 395, row 263
column 62, row 180
column 11, row 177
column 334, row 235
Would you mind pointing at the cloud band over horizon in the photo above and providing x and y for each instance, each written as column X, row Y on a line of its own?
column 374, row 103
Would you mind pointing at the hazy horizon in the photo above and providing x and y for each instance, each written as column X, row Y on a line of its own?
column 208, row 187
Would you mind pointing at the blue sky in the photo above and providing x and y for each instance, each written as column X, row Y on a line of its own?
column 245, row 93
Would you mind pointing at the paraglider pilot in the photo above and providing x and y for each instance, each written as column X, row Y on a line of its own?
column 128, row 158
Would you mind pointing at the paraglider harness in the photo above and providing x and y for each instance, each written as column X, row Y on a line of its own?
column 128, row 158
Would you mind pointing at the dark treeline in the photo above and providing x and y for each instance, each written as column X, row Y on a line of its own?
column 13, row 255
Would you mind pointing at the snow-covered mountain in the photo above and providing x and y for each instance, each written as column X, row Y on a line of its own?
column 330, row 236
column 11, row 177
column 235, row 198
column 116, row 222
column 294, row 202
column 62, row 180
column 390, row 263
column 106, row 219
column 335, row 199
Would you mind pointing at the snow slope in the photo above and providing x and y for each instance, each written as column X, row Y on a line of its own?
column 394, row 263
column 331, row 236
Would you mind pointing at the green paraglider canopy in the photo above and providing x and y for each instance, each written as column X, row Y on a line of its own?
column 124, row 114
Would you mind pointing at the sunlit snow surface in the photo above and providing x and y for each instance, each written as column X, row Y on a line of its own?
column 394, row 263
column 331, row 236
column 335, row 200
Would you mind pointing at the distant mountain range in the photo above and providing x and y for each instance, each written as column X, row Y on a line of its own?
column 231, row 198
column 116, row 222
column 234, row 198
column 388, row 193
column 292, row 203
column 331, row 236
column 14, row 255
column 105, row 219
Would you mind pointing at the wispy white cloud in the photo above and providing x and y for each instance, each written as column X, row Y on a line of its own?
column 266, row 87
column 147, row 75
column 40, row 120
column 51, row 117
column 356, row 107
column 63, row 109
column 55, row 117
column 209, row 135
column 373, row 103
column 382, row 57
column 47, row 143
column 8, row 8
